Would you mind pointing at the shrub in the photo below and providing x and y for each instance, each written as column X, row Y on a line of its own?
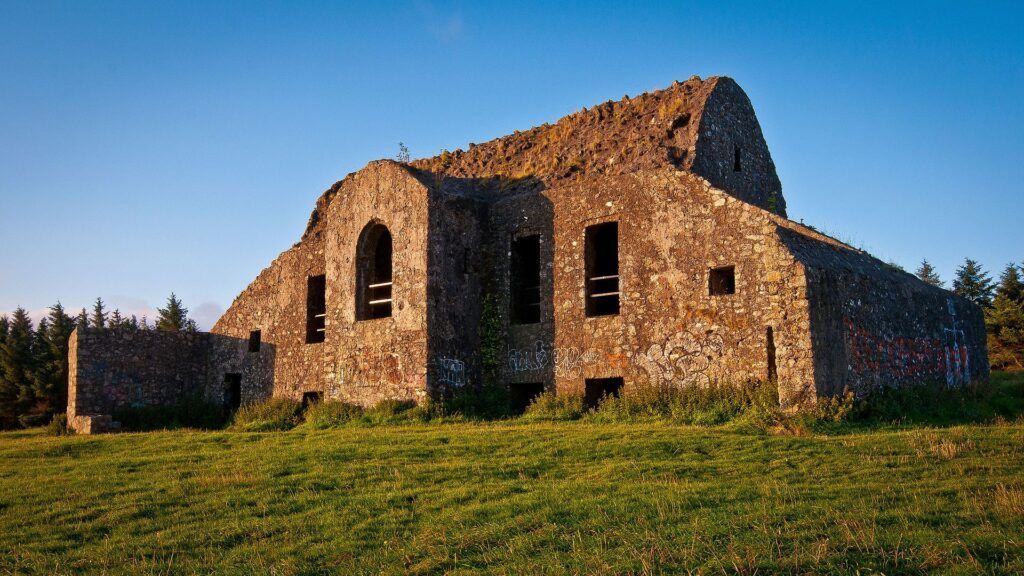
column 58, row 426
column 550, row 406
column 191, row 413
column 714, row 404
column 488, row 402
column 271, row 415
column 331, row 414
column 395, row 412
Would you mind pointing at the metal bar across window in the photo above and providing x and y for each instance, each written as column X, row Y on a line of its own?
column 604, row 294
column 375, row 302
column 379, row 285
column 596, row 278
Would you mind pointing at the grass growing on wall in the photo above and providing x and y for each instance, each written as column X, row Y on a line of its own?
column 517, row 497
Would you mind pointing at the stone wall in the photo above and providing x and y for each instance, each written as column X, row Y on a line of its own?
column 386, row 358
column 673, row 229
column 875, row 326
column 114, row 369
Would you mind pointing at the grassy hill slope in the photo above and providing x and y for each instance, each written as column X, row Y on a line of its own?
column 541, row 498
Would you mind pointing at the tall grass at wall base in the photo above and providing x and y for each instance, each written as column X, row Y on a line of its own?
column 745, row 406
column 276, row 414
column 1001, row 398
column 191, row 413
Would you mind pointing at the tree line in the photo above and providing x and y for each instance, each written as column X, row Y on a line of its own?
column 34, row 359
column 1001, row 300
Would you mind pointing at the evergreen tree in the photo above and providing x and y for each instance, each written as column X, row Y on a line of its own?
column 173, row 317
column 1010, row 284
column 144, row 323
column 928, row 274
column 82, row 320
column 99, row 314
column 116, row 320
column 16, row 369
column 973, row 283
column 133, row 322
column 1005, row 322
column 52, row 379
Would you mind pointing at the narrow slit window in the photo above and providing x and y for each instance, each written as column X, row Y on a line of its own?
column 374, row 290
column 602, row 269
column 722, row 281
column 525, row 280
column 316, row 309
column 773, row 373
column 737, row 159
column 254, row 340
column 232, row 391
column 597, row 389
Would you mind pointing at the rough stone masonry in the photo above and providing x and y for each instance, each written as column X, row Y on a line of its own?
column 639, row 242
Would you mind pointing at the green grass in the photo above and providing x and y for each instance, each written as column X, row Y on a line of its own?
column 519, row 497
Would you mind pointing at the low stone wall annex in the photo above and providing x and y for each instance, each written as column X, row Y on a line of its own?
column 114, row 369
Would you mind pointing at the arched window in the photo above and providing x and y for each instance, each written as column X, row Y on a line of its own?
column 373, row 273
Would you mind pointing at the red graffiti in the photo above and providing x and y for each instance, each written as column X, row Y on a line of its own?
column 905, row 358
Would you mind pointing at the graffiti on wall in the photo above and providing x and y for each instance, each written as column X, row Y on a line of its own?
column 450, row 372
column 567, row 361
column 685, row 358
column 903, row 357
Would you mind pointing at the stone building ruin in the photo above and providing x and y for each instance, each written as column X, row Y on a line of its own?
column 642, row 241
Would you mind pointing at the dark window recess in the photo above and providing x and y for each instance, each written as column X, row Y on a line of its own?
column 465, row 260
column 309, row 398
column 254, row 341
column 525, row 281
column 722, row 281
column 737, row 159
column 232, row 391
column 602, row 269
column 374, row 274
column 316, row 309
column 680, row 122
column 521, row 395
column 597, row 389
column 773, row 374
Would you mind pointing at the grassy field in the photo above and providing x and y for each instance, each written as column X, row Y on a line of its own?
column 513, row 497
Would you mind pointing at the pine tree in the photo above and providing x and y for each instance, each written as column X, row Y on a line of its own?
column 16, row 369
column 99, row 314
column 973, row 283
column 174, row 317
column 928, row 274
column 82, row 320
column 1005, row 321
column 144, row 323
column 133, row 322
column 1010, row 284
column 116, row 320
column 52, row 379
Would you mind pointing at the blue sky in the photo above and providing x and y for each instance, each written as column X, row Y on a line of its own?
column 155, row 147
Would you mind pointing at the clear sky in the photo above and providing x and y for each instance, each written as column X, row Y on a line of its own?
column 155, row 147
